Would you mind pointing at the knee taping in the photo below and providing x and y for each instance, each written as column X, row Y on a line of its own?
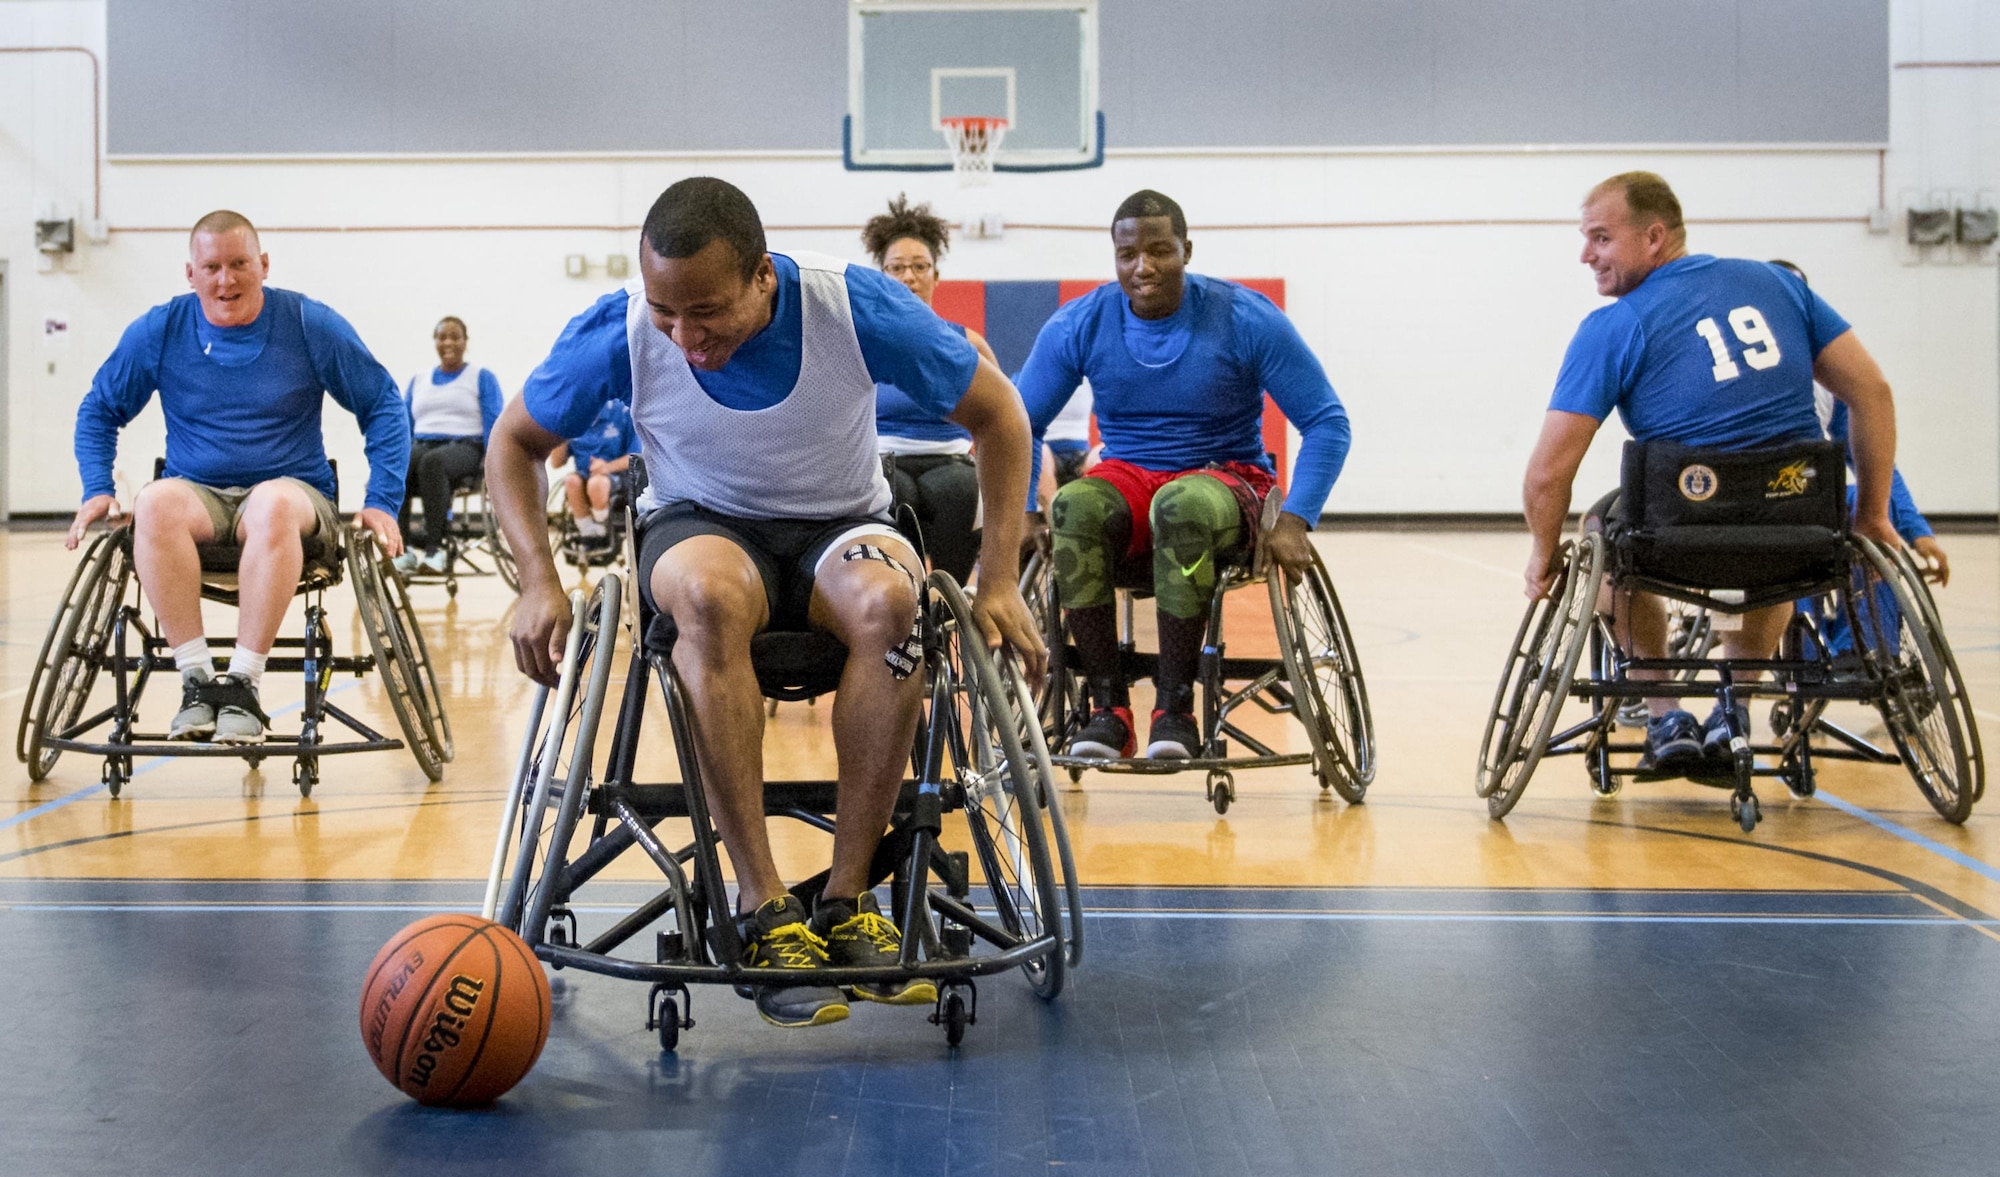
column 1196, row 522
column 1090, row 528
column 906, row 656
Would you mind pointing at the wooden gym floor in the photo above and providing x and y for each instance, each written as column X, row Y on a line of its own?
column 1301, row 986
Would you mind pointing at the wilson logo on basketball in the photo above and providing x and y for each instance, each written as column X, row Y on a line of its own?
column 378, row 1018
column 459, row 1003
column 1791, row 481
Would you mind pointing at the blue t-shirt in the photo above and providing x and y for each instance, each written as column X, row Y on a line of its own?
column 1180, row 392
column 243, row 403
column 897, row 414
column 1706, row 351
column 610, row 437
column 903, row 342
column 490, row 403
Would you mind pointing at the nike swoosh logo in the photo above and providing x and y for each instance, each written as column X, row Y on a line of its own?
column 1190, row 569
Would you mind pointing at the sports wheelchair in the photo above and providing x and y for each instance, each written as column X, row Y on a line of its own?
column 1727, row 533
column 1316, row 677
column 576, row 551
column 473, row 544
column 1000, row 895
column 101, row 630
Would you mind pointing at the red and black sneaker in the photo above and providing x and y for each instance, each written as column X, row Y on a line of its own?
column 1108, row 735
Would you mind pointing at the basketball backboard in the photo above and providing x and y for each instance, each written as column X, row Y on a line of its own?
column 912, row 63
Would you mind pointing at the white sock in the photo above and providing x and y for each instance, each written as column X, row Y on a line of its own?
column 194, row 655
column 248, row 665
column 590, row 527
column 600, row 514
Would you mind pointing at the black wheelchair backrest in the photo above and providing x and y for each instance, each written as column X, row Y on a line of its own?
column 1799, row 484
column 1772, row 519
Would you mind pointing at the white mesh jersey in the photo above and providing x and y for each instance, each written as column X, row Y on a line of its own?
column 810, row 456
column 450, row 409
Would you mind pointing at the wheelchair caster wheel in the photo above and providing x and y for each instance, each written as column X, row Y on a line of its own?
column 1221, row 790
column 305, row 774
column 1781, row 717
column 115, row 774
column 954, row 1013
column 667, row 1009
column 1075, row 776
column 1744, row 810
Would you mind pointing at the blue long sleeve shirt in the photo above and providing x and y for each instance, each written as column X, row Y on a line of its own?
column 1180, row 392
column 243, row 404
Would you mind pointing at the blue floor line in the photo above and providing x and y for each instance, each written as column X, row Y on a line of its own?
column 1247, row 916
column 1984, row 870
column 28, row 815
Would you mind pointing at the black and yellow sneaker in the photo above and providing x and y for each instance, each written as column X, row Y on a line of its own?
column 857, row 934
column 777, row 936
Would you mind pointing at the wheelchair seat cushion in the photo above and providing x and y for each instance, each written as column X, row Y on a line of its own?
column 789, row 664
column 1732, row 519
column 323, row 556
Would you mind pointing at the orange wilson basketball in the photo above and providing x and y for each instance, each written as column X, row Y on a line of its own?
column 455, row 1010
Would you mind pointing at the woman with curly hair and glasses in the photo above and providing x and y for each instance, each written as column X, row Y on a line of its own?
column 927, row 459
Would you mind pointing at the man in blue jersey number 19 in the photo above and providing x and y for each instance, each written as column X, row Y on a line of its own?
column 242, row 370
column 1702, row 351
column 751, row 377
column 1178, row 364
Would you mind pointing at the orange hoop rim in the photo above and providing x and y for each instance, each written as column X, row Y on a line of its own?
column 973, row 122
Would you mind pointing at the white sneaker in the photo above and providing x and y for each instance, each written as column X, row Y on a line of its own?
column 434, row 561
column 407, row 562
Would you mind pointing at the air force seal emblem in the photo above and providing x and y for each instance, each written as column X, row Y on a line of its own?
column 1698, row 484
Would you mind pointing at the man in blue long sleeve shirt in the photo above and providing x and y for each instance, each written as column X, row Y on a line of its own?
column 1178, row 365
column 241, row 370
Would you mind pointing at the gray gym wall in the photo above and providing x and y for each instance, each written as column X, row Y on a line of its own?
column 193, row 77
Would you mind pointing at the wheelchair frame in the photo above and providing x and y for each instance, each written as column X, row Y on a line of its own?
column 467, row 537
column 979, row 751
column 1906, row 687
column 100, row 623
column 1342, row 739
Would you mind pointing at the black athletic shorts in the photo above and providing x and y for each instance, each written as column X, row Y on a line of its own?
column 787, row 552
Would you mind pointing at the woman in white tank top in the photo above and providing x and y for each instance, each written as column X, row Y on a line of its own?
column 451, row 409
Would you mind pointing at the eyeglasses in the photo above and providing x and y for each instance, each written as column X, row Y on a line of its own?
column 916, row 269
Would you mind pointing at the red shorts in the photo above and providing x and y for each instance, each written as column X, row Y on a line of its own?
column 1139, row 485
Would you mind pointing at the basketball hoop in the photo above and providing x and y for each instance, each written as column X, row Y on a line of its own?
column 973, row 139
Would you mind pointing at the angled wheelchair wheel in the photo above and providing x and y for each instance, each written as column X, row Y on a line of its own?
column 1920, row 688
column 401, row 657
column 74, row 651
column 1954, row 681
column 1541, row 664
column 1331, row 697
column 496, row 547
column 552, row 774
column 1007, row 794
column 1062, row 690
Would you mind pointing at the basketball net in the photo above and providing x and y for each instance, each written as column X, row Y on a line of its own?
column 973, row 140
